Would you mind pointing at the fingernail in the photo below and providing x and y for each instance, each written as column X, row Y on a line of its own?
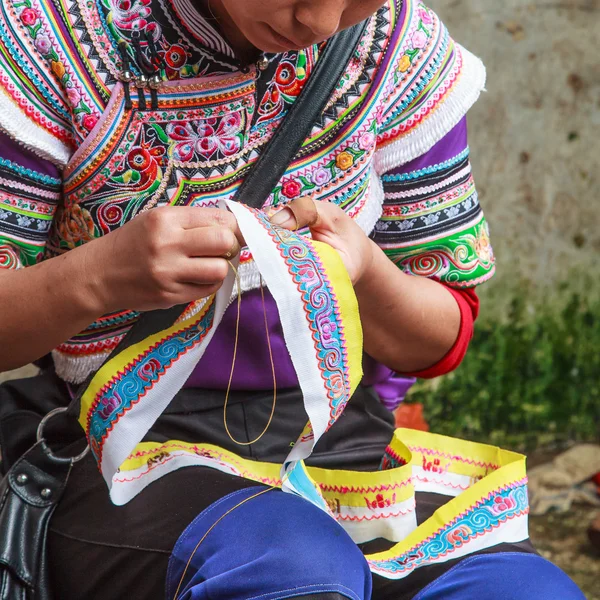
column 283, row 218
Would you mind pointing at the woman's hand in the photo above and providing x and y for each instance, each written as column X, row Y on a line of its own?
column 330, row 224
column 167, row 256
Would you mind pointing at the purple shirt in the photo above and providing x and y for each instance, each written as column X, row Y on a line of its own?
column 250, row 373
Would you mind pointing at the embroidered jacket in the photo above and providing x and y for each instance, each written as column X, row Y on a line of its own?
column 76, row 162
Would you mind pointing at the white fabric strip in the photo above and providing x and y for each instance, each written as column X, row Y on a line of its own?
column 128, row 431
column 510, row 531
column 392, row 523
column 300, row 345
column 297, row 335
column 448, row 484
column 128, row 484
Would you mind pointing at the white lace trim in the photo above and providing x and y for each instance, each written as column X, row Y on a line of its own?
column 23, row 130
column 75, row 369
column 371, row 211
column 453, row 108
column 430, row 189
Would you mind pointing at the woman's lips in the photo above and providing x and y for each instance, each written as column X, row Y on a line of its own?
column 282, row 41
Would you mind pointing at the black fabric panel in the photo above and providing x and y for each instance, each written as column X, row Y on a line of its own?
column 23, row 403
column 356, row 441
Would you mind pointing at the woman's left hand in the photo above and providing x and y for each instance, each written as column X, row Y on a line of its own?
column 330, row 224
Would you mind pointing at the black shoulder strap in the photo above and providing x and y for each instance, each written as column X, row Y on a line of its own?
column 270, row 165
column 296, row 127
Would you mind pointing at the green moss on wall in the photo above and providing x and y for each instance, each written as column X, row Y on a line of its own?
column 529, row 381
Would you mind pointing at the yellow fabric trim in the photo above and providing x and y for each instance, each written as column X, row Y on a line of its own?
column 352, row 487
column 511, row 469
column 116, row 364
column 348, row 306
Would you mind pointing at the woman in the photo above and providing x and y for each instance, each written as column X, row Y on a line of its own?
column 88, row 144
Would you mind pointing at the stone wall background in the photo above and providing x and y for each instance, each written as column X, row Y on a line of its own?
column 535, row 141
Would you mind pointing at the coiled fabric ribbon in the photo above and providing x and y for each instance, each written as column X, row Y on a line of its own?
column 486, row 485
column 321, row 327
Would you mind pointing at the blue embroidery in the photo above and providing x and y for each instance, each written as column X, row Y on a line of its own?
column 323, row 313
column 427, row 170
column 128, row 388
column 8, row 164
column 482, row 518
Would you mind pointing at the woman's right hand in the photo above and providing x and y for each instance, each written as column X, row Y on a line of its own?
column 166, row 256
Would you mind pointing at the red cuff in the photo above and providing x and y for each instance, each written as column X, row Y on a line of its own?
column 468, row 303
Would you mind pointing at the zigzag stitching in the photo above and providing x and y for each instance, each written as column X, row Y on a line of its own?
column 442, row 482
column 265, row 480
column 400, row 513
column 363, row 490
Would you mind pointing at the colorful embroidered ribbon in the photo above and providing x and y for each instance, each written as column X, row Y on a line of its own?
column 486, row 486
column 321, row 326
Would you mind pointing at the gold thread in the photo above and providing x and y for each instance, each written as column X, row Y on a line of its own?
column 237, row 328
column 187, row 566
column 235, row 346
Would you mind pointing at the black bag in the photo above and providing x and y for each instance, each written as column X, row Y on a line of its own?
column 34, row 483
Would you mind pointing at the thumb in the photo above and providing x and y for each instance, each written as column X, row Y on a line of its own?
column 299, row 213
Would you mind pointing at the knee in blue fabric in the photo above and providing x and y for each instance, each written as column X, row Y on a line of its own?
column 503, row 576
column 273, row 546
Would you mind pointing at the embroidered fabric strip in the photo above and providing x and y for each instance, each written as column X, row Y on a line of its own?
column 486, row 486
column 432, row 224
column 28, row 199
column 386, row 150
column 319, row 315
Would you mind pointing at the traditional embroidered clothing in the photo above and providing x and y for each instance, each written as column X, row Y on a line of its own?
column 402, row 100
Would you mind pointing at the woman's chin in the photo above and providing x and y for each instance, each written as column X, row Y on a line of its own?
column 266, row 40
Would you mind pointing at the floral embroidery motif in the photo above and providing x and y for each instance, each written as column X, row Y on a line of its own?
column 75, row 225
column 176, row 56
column 133, row 15
column 418, row 40
column 190, row 153
column 335, row 167
column 29, row 15
column 207, row 137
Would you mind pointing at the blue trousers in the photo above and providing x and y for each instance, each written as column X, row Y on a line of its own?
column 277, row 546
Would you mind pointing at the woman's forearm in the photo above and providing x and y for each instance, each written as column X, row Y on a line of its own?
column 44, row 305
column 167, row 256
column 409, row 323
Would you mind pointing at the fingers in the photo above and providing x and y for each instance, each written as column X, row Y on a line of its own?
column 203, row 271
column 300, row 213
column 210, row 241
column 189, row 218
column 188, row 292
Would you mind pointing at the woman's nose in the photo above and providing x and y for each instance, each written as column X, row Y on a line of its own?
column 322, row 17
